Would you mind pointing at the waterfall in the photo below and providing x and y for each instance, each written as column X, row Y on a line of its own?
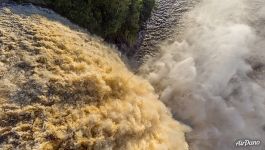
column 212, row 76
column 62, row 88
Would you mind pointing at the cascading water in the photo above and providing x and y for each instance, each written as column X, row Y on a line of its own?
column 212, row 77
column 61, row 88
column 160, row 26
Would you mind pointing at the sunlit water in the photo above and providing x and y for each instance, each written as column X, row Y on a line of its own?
column 61, row 88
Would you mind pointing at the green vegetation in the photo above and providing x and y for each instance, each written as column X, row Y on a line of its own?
column 117, row 21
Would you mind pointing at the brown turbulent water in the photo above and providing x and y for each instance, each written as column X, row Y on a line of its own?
column 61, row 88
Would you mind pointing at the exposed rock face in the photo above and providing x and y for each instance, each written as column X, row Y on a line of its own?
column 61, row 88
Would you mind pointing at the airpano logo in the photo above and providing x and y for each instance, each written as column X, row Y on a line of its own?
column 247, row 143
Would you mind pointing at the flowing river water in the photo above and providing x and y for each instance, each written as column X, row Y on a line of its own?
column 211, row 73
column 61, row 87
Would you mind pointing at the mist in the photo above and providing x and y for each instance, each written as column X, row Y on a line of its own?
column 212, row 76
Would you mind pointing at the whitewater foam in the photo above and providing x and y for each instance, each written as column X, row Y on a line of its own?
column 212, row 77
